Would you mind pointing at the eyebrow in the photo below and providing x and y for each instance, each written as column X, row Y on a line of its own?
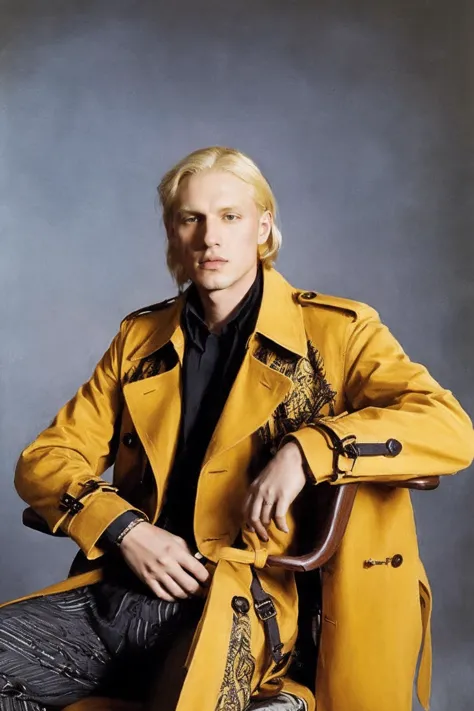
column 185, row 210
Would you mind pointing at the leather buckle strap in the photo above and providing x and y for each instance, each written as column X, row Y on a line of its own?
column 266, row 612
column 70, row 503
column 347, row 448
column 73, row 504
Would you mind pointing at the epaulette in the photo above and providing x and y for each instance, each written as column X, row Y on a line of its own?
column 150, row 309
column 349, row 306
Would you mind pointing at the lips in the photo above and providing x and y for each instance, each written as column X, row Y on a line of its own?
column 212, row 263
column 212, row 260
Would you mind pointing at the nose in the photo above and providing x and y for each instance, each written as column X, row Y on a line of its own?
column 211, row 235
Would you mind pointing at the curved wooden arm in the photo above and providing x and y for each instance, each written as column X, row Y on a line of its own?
column 422, row 483
column 329, row 537
column 336, row 518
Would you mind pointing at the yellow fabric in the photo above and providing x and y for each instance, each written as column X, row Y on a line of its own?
column 372, row 619
column 257, row 558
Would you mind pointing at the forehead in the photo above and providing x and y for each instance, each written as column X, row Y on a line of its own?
column 213, row 188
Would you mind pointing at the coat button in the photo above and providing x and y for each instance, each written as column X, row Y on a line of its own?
column 397, row 560
column 240, row 604
column 309, row 295
column 394, row 447
column 130, row 439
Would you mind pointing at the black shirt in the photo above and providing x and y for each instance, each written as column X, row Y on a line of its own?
column 210, row 364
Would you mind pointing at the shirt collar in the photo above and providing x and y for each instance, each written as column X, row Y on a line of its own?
column 193, row 322
column 280, row 319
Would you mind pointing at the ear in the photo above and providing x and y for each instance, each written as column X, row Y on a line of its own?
column 265, row 226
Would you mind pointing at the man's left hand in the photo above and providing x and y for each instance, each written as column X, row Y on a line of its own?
column 274, row 490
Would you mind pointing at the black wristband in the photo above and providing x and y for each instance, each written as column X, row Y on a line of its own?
column 111, row 535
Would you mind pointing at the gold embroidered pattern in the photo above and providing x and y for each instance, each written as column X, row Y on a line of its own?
column 155, row 364
column 309, row 394
column 234, row 694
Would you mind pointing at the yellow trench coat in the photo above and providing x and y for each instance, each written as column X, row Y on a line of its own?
column 305, row 346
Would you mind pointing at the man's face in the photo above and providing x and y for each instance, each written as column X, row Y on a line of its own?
column 216, row 230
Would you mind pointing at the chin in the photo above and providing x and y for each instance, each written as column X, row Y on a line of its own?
column 213, row 281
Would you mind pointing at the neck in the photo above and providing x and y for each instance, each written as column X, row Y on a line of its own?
column 220, row 305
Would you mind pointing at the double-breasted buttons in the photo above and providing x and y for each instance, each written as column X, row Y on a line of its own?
column 130, row 439
column 394, row 447
column 397, row 560
column 240, row 604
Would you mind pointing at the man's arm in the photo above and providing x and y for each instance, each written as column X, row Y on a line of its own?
column 59, row 473
column 418, row 428
column 399, row 424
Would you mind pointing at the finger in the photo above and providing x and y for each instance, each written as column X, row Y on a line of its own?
column 186, row 582
column 159, row 590
column 246, row 512
column 267, row 512
column 255, row 519
column 193, row 566
column 172, row 587
column 247, row 506
column 281, row 510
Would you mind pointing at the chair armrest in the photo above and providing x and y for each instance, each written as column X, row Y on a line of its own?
column 329, row 537
column 33, row 520
column 422, row 483
column 335, row 522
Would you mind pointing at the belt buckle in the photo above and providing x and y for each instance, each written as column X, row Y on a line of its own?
column 265, row 609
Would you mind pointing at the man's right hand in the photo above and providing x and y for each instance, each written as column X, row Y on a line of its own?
column 163, row 561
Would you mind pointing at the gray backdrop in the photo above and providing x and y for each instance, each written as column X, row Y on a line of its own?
column 361, row 116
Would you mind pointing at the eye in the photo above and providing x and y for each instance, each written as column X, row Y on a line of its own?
column 189, row 220
column 231, row 217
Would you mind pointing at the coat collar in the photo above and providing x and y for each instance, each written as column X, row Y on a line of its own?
column 280, row 320
column 168, row 329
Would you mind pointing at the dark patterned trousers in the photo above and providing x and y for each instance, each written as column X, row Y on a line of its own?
column 58, row 649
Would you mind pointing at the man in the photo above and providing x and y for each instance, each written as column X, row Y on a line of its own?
column 217, row 409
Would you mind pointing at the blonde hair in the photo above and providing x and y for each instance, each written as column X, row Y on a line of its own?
column 234, row 162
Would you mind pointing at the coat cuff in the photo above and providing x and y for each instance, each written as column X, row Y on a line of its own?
column 324, row 463
column 88, row 525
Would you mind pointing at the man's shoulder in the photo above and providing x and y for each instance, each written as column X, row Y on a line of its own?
column 336, row 304
column 147, row 329
column 151, row 309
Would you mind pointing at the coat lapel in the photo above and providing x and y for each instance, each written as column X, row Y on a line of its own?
column 256, row 393
column 155, row 403
column 155, row 409
column 258, row 389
